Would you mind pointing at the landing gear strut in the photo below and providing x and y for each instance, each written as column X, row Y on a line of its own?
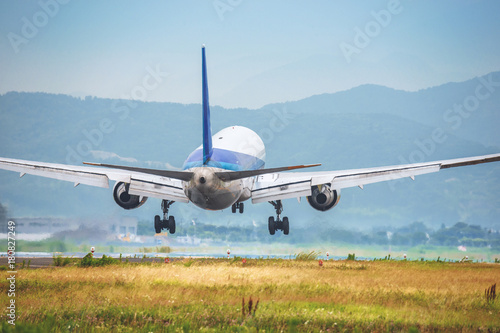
column 237, row 206
column 168, row 222
column 278, row 224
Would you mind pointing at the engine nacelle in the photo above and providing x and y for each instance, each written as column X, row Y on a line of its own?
column 126, row 200
column 323, row 197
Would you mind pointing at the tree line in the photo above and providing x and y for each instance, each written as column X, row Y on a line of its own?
column 414, row 234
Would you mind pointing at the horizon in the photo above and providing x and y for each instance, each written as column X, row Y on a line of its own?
column 151, row 52
column 261, row 107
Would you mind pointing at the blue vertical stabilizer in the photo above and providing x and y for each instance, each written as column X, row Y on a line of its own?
column 207, row 129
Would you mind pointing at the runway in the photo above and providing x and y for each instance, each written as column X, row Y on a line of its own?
column 47, row 262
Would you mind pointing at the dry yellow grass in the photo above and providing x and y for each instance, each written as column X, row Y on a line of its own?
column 444, row 296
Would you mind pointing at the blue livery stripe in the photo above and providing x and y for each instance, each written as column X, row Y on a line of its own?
column 224, row 159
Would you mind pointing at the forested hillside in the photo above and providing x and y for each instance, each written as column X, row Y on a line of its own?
column 363, row 127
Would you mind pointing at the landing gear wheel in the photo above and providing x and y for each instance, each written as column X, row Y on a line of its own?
column 171, row 224
column 286, row 225
column 238, row 206
column 278, row 224
column 157, row 224
column 271, row 225
column 167, row 222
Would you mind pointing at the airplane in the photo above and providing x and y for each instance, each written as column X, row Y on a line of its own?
column 226, row 170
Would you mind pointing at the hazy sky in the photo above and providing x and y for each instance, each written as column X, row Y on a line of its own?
column 258, row 51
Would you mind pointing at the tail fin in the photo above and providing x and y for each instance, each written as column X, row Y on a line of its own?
column 207, row 128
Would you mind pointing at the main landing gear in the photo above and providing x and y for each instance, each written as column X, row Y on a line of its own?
column 278, row 224
column 237, row 206
column 168, row 222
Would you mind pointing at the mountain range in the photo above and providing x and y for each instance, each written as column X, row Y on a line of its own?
column 366, row 126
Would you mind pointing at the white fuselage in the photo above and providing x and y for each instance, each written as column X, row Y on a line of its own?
column 235, row 148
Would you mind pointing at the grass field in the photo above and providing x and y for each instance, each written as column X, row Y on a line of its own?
column 292, row 295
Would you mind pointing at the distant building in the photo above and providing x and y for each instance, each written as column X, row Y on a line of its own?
column 119, row 226
column 44, row 225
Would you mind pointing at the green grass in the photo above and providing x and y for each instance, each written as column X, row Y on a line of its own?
column 60, row 260
column 313, row 255
column 294, row 295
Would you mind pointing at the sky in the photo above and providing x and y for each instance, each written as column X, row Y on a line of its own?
column 258, row 51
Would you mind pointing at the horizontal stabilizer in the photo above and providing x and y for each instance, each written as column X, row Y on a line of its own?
column 181, row 175
column 233, row 175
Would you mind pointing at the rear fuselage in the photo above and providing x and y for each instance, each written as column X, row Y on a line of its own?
column 235, row 148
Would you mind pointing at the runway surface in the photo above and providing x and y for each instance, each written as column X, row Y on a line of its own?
column 46, row 262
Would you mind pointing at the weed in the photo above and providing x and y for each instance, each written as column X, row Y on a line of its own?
column 313, row 255
column 60, row 261
column 236, row 259
column 188, row 263
column 491, row 293
column 90, row 261
column 250, row 305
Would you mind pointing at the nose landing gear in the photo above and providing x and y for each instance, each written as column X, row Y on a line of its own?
column 168, row 222
column 278, row 224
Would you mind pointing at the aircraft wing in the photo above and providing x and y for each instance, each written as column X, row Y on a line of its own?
column 141, row 183
column 282, row 185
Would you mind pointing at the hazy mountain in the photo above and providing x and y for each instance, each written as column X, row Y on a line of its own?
column 362, row 127
column 479, row 100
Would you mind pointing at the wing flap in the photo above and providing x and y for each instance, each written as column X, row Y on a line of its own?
column 375, row 176
column 280, row 190
column 159, row 188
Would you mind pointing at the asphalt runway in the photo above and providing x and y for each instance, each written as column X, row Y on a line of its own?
column 46, row 262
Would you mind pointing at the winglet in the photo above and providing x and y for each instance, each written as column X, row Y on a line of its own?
column 207, row 130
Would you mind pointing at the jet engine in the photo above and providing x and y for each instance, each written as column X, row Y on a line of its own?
column 126, row 200
column 323, row 197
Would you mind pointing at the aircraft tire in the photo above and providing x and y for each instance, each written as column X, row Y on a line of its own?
column 271, row 224
column 241, row 207
column 286, row 226
column 157, row 224
column 233, row 208
column 171, row 224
